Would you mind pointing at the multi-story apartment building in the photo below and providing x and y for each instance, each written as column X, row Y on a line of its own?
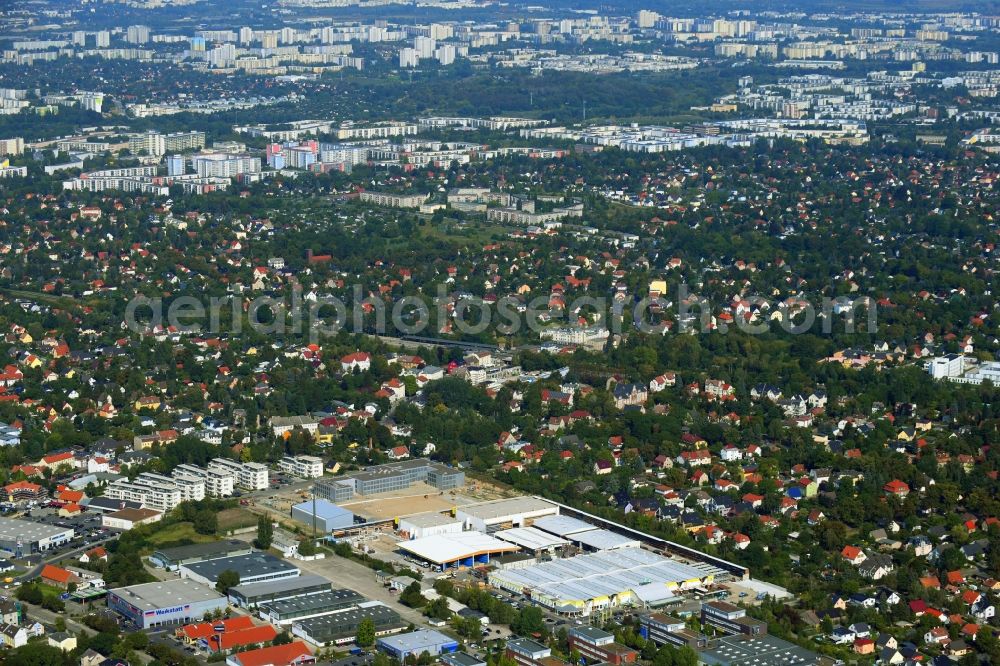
column 224, row 165
column 307, row 467
column 249, row 476
column 394, row 200
column 191, row 489
column 150, row 493
column 13, row 146
column 155, row 143
column 217, row 484
column 378, row 131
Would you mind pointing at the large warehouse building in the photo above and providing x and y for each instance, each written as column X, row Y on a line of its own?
column 607, row 579
column 416, row 643
column 504, row 514
column 256, row 567
column 172, row 558
column 340, row 628
column 428, row 524
column 465, row 549
column 165, row 602
column 23, row 537
column 251, row 595
column 328, row 516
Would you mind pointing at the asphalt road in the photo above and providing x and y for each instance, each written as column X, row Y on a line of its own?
column 37, row 569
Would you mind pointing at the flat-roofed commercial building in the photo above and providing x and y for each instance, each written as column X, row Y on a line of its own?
column 564, row 526
column 532, row 539
column 26, row 537
column 256, row 567
column 251, row 595
column 761, row 651
column 416, row 643
column 341, row 627
column 526, row 652
column 286, row 611
column 602, row 539
column 165, row 602
column 172, row 558
column 504, row 514
column 390, row 477
column 461, row 659
column 324, row 515
column 661, row 629
column 465, row 549
column 606, row 579
column 595, row 644
column 428, row 524
column 733, row 619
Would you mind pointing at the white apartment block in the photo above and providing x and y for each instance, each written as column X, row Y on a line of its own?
column 13, row 146
column 945, row 367
column 191, row 489
column 217, row 484
column 151, row 493
column 393, row 200
column 307, row 467
column 249, row 476
column 380, row 131
column 158, row 144
column 224, row 165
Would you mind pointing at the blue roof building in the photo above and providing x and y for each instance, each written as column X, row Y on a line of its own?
column 329, row 516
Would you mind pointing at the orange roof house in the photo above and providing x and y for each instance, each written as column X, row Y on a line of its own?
column 192, row 632
column 57, row 576
column 228, row 640
column 291, row 654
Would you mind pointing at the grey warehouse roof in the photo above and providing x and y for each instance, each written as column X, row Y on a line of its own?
column 253, row 590
column 247, row 566
column 12, row 529
column 167, row 593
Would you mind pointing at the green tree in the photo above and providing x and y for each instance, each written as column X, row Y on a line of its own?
column 365, row 635
column 206, row 521
column 412, row 597
column 227, row 579
column 265, row 533
column 36, row 653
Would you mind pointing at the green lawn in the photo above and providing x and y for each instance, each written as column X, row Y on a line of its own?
column 178, row 532
column 49, row 591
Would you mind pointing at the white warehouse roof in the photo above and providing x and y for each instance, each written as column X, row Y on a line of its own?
column 563, row 525
column 504, row 509
column 604, row 540
column 530, row 538
column 444, row 549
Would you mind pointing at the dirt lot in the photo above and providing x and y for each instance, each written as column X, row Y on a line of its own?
column 232, row 519
column 419, row 498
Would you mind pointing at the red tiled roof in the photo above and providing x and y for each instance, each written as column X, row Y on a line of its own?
column 57, row 574
column 205, row 629
column 278, row 655
column 241, row 637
